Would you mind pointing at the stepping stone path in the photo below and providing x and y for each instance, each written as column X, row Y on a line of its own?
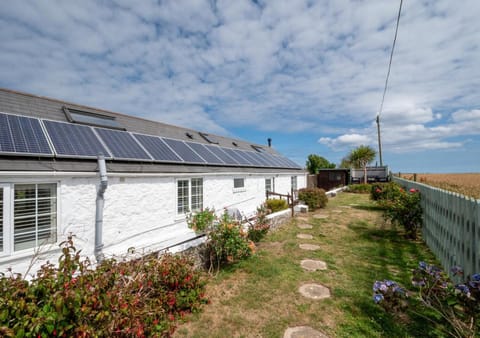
column 304, row 236
column 313, row 265
column 314, row 291
column 310, row 247
column 305, row 226
column 303, row 332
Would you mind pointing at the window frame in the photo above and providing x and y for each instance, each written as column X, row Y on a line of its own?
column 272, row 184
column 240, row 188
column 8, row 223
column 294, row 183
column 190, row 195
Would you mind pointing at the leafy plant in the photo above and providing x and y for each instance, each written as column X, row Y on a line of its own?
column 227, row 243
column 259, row 228
column 201, row 221
column 314, row 197
column 275, row 205
column 401, row 207
column 139, row 297
column 454, row 307
column 385, row 191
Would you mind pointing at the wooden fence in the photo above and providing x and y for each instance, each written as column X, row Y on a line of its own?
column 451, row 226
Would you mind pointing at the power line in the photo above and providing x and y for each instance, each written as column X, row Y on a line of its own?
column 386, row 82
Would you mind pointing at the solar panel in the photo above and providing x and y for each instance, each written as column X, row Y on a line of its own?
column 206, row 154
column 250, row 158
column 185, row 152
column 221, row 154
column 74, row 140
column 271, row 159
column 260, row 157
column 236, row 156
column 22, row 135
column 122, row 145
column 159, row 150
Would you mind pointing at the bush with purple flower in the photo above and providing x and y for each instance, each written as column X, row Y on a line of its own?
column 456, row 305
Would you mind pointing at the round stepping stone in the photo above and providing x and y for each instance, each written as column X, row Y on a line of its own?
column 320, row 216
column 303, row 332
column 304, row 236
column 338, row 211
column 310, row 247
column 314, row 291
column 305, row 226
column 313, row 265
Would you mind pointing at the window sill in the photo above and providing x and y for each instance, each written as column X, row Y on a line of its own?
column 236, row 190
column 29, row 253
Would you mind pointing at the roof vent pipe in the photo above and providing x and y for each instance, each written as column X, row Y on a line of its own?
column 269, row 142
column 102, row 169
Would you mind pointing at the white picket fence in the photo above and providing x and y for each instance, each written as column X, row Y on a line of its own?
column 451, row 226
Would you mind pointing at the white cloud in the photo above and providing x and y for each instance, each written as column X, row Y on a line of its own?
column 284, row 66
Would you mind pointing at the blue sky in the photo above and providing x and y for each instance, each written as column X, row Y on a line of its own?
column 308, row 74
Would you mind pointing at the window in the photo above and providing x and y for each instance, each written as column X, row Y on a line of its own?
column 238, row 183
column 34, row 211
column 209, row 138
column 333, row 177
column 189, row 195
column 91, row 119
column 270, row 184
column 294, row 183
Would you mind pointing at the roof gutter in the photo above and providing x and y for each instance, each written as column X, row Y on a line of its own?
column 102, row 168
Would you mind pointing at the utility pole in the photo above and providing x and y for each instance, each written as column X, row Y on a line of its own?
column 379, row 140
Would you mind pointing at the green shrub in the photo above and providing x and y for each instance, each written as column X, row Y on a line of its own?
column 227, row 243
column 385, row 191
column 142, row 297
column 276, row 205
column 260, row 226
column 359, row 188
column 400, row 207
column 314, row 197
column 202, row 220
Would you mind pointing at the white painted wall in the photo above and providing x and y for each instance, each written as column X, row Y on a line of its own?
column 140, row 212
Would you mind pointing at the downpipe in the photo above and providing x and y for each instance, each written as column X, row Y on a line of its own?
column 99, row 203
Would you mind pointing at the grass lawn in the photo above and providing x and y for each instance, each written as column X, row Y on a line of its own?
column 259, row 297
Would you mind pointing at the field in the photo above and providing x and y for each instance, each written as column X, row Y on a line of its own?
column 465, row 184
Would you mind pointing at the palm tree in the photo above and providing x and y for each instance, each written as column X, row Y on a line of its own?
column 360, row 157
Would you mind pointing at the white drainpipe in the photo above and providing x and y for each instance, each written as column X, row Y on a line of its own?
column 102, row 168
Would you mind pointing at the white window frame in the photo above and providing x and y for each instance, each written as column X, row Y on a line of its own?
column 8, row 219
column 294, row 183
column 190, row 195
column 239, row 189
column 272, row 184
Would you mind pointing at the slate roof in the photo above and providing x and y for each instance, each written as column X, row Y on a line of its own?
column 14, row 102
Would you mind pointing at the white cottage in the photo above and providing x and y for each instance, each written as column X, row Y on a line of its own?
column 155, row 173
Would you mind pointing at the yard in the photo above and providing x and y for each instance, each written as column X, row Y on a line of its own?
column 259, row 297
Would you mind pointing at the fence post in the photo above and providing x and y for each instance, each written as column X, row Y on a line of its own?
column 415, row 177
column 293, row 211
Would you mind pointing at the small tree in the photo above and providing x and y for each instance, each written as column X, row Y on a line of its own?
column 360, row 157
column 316, row 162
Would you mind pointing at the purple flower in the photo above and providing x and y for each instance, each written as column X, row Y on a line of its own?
column 377, row 285
column 377, row 298
column 476, row 277
column 390, row 283
column 463, row 288
column 423, row 265
column 456, row 270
